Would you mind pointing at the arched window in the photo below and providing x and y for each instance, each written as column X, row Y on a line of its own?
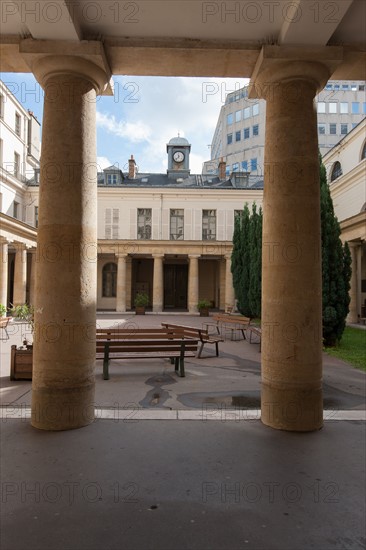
column 363, row 153
column 109, row 281
column 336, row 171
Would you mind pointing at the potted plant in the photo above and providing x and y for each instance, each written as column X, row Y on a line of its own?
column 3, row 310
column 203, row 306
column 21, row 360
column 141, row 301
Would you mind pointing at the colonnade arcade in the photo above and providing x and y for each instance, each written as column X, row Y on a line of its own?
column 173, row 281
column 288, row 78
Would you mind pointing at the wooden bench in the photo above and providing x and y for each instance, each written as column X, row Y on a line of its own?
column 4, row 321
column 235, row 323
column 258, row 332
column 193, row 332
column 143, row 344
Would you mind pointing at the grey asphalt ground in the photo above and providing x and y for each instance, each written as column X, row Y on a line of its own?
column 209, row 480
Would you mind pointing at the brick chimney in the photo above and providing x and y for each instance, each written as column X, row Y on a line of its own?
column 131, row 168
column 222, row 169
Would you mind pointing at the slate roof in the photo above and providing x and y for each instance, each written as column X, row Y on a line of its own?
column 148, row 180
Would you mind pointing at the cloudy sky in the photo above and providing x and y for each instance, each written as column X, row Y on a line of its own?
column 144, row 114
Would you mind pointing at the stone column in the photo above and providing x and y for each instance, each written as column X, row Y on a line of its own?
column 229, row 288
column 121, row 283
column 291, row 275
column 20, row 275
column 352, row 316
column 158, row 283
column 33, row 276
column 65, row 319
column 193, row 283
column 4, row 273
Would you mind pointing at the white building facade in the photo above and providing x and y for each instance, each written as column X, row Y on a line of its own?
column 19, row 161
column 346, row 172
column 240, row 130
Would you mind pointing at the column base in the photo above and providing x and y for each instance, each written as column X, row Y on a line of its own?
column 62, row 408
column 292, row 409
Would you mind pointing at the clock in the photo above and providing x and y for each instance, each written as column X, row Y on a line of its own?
column 178, row 156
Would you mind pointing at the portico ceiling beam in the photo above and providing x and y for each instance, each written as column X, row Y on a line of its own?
column 178, row 57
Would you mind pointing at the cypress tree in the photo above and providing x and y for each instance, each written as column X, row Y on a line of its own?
column 240, row 260
column 255, row 268
column 336, row 268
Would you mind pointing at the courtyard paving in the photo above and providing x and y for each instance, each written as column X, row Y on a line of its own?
column 184, row 463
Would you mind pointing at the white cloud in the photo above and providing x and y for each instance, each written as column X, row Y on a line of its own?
column 134, row 131
column 103, row 162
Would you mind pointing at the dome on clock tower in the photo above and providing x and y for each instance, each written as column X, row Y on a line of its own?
column 178, row 141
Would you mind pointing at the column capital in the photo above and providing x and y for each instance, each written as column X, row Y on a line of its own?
column 194, row 256
column 122, row 256
column 278, row 64
column 87, row 59
column 158, row 256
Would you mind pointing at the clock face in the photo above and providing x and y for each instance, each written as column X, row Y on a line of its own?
column 178, row 156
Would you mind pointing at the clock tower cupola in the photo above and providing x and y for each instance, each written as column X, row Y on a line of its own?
column 178, row 150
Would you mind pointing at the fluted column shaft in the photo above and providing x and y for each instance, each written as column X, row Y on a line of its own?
column 4, row 274
column 20, row 275
column 158, row 283
column 121, row 282
column 193, row 283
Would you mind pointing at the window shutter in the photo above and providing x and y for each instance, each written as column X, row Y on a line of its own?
column 107, row 223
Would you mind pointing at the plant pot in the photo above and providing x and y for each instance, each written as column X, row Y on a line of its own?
column 140, row 310
column 204, row 312
column 21, row 363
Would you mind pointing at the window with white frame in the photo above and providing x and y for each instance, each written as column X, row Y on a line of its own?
column 144, row 223
column 247, row 112
column 238, row 116
column 177, row 224
column 336, row 171
column 17, row 124
column 229, row 139
column 343, row 108
column 321, row 107
column 246, row 133
column 333, row 129
column 112, row 179
column 230, row 119
column 256, row 130
column 332, row 107
column 208, row 225
column 16, row 164
column 255, row 109
column 321, row 129
column 355, row 108
column 238, row 135
column 344, row 129
column 111, row 223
